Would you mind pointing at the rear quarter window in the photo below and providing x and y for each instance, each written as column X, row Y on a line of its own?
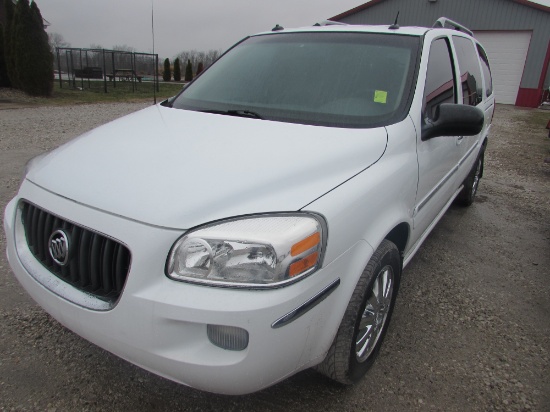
column 486, row 70
column 470, row 72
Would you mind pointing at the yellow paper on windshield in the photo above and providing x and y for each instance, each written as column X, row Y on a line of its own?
column 380, row 96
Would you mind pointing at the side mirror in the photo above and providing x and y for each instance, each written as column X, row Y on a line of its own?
column 454, row 120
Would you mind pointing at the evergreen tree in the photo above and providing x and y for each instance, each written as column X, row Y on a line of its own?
column 8, row 42
column 200, row 68
column 20, row 46
column 42, row 76
column 188, row 71
column 4, row 79
column 166, row 74
column 177, row 70
column 33, row 58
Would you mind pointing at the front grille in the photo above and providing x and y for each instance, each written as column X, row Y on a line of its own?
column 97, row 265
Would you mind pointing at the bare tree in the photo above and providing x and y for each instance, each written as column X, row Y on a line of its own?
column 212, row 56
column 124, row 47
column 196, row 57
column 56, row 40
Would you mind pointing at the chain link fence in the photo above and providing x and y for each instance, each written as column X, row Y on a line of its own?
column 103, row 70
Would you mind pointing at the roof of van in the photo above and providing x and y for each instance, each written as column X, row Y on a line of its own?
column 406, row 30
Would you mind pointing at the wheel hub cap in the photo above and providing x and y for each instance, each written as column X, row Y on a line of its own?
column 375, row 314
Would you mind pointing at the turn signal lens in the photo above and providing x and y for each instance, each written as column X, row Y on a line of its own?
column 305, row 244
column 303, row 264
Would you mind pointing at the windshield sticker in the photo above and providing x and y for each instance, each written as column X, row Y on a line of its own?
column 380, row 96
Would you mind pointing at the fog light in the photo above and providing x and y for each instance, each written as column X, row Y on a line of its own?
column 227, row 337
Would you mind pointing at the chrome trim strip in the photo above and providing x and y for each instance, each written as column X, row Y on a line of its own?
column 426, row 199
column 469, row 153
column 428, row 230
column 306, row 306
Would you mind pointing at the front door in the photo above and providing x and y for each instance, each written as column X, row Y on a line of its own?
column 438, row 156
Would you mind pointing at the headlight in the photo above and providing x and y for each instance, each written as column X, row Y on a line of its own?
column 255, row 251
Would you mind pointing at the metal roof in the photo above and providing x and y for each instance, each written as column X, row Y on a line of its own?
column 375, row 2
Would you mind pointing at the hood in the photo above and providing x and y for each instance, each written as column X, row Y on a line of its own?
column 178, row 169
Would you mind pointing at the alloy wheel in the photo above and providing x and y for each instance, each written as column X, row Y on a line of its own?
column 375, row 314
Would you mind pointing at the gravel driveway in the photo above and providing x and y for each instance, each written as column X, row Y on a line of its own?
column 471, row 329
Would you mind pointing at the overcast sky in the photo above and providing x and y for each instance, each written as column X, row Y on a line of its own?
column 181, row 25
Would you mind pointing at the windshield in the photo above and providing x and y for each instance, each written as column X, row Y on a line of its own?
column 327, row 79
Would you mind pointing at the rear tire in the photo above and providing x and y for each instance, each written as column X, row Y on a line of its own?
column 365, row 322
column 467, row 195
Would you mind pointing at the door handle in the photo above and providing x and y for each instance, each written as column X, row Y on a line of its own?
column 459, row 140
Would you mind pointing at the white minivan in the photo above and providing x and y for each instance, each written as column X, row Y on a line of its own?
column 258, row 223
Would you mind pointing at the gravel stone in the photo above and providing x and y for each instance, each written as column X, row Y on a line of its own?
column 470, row 330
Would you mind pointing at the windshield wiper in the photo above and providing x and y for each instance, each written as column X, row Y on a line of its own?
column 239, row 113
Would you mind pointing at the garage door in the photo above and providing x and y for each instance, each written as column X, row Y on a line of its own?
column 507, row 52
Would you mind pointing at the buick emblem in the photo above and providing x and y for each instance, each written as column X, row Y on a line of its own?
column 59, row 247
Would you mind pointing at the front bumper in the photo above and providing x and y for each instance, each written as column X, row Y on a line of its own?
column 161, row 325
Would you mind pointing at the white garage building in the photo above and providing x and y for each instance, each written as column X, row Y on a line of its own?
column 515, row 34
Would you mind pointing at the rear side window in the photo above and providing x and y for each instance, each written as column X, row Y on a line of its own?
column 486, row 70
column 470, row 73
column 440, row 86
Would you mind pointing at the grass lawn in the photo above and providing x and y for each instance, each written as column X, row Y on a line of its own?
column 121, row 93
column 93, row 92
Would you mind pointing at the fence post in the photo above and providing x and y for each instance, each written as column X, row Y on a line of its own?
column 59, row 68
column 87, row 65
column 114, row 70
column 72, row 67
column 104, row 71
column 134, row 74
column 68, row 68
column 157, row 72
column 82, row 72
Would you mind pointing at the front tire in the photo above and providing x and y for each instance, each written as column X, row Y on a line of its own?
column 360, row 335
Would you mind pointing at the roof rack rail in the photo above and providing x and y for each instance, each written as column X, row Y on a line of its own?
column 330, row 23
column 446, row 23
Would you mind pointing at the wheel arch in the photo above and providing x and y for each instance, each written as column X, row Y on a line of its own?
column 483, row 147
column 399, row 235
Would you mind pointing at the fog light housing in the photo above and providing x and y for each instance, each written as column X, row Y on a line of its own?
column 227, row 337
